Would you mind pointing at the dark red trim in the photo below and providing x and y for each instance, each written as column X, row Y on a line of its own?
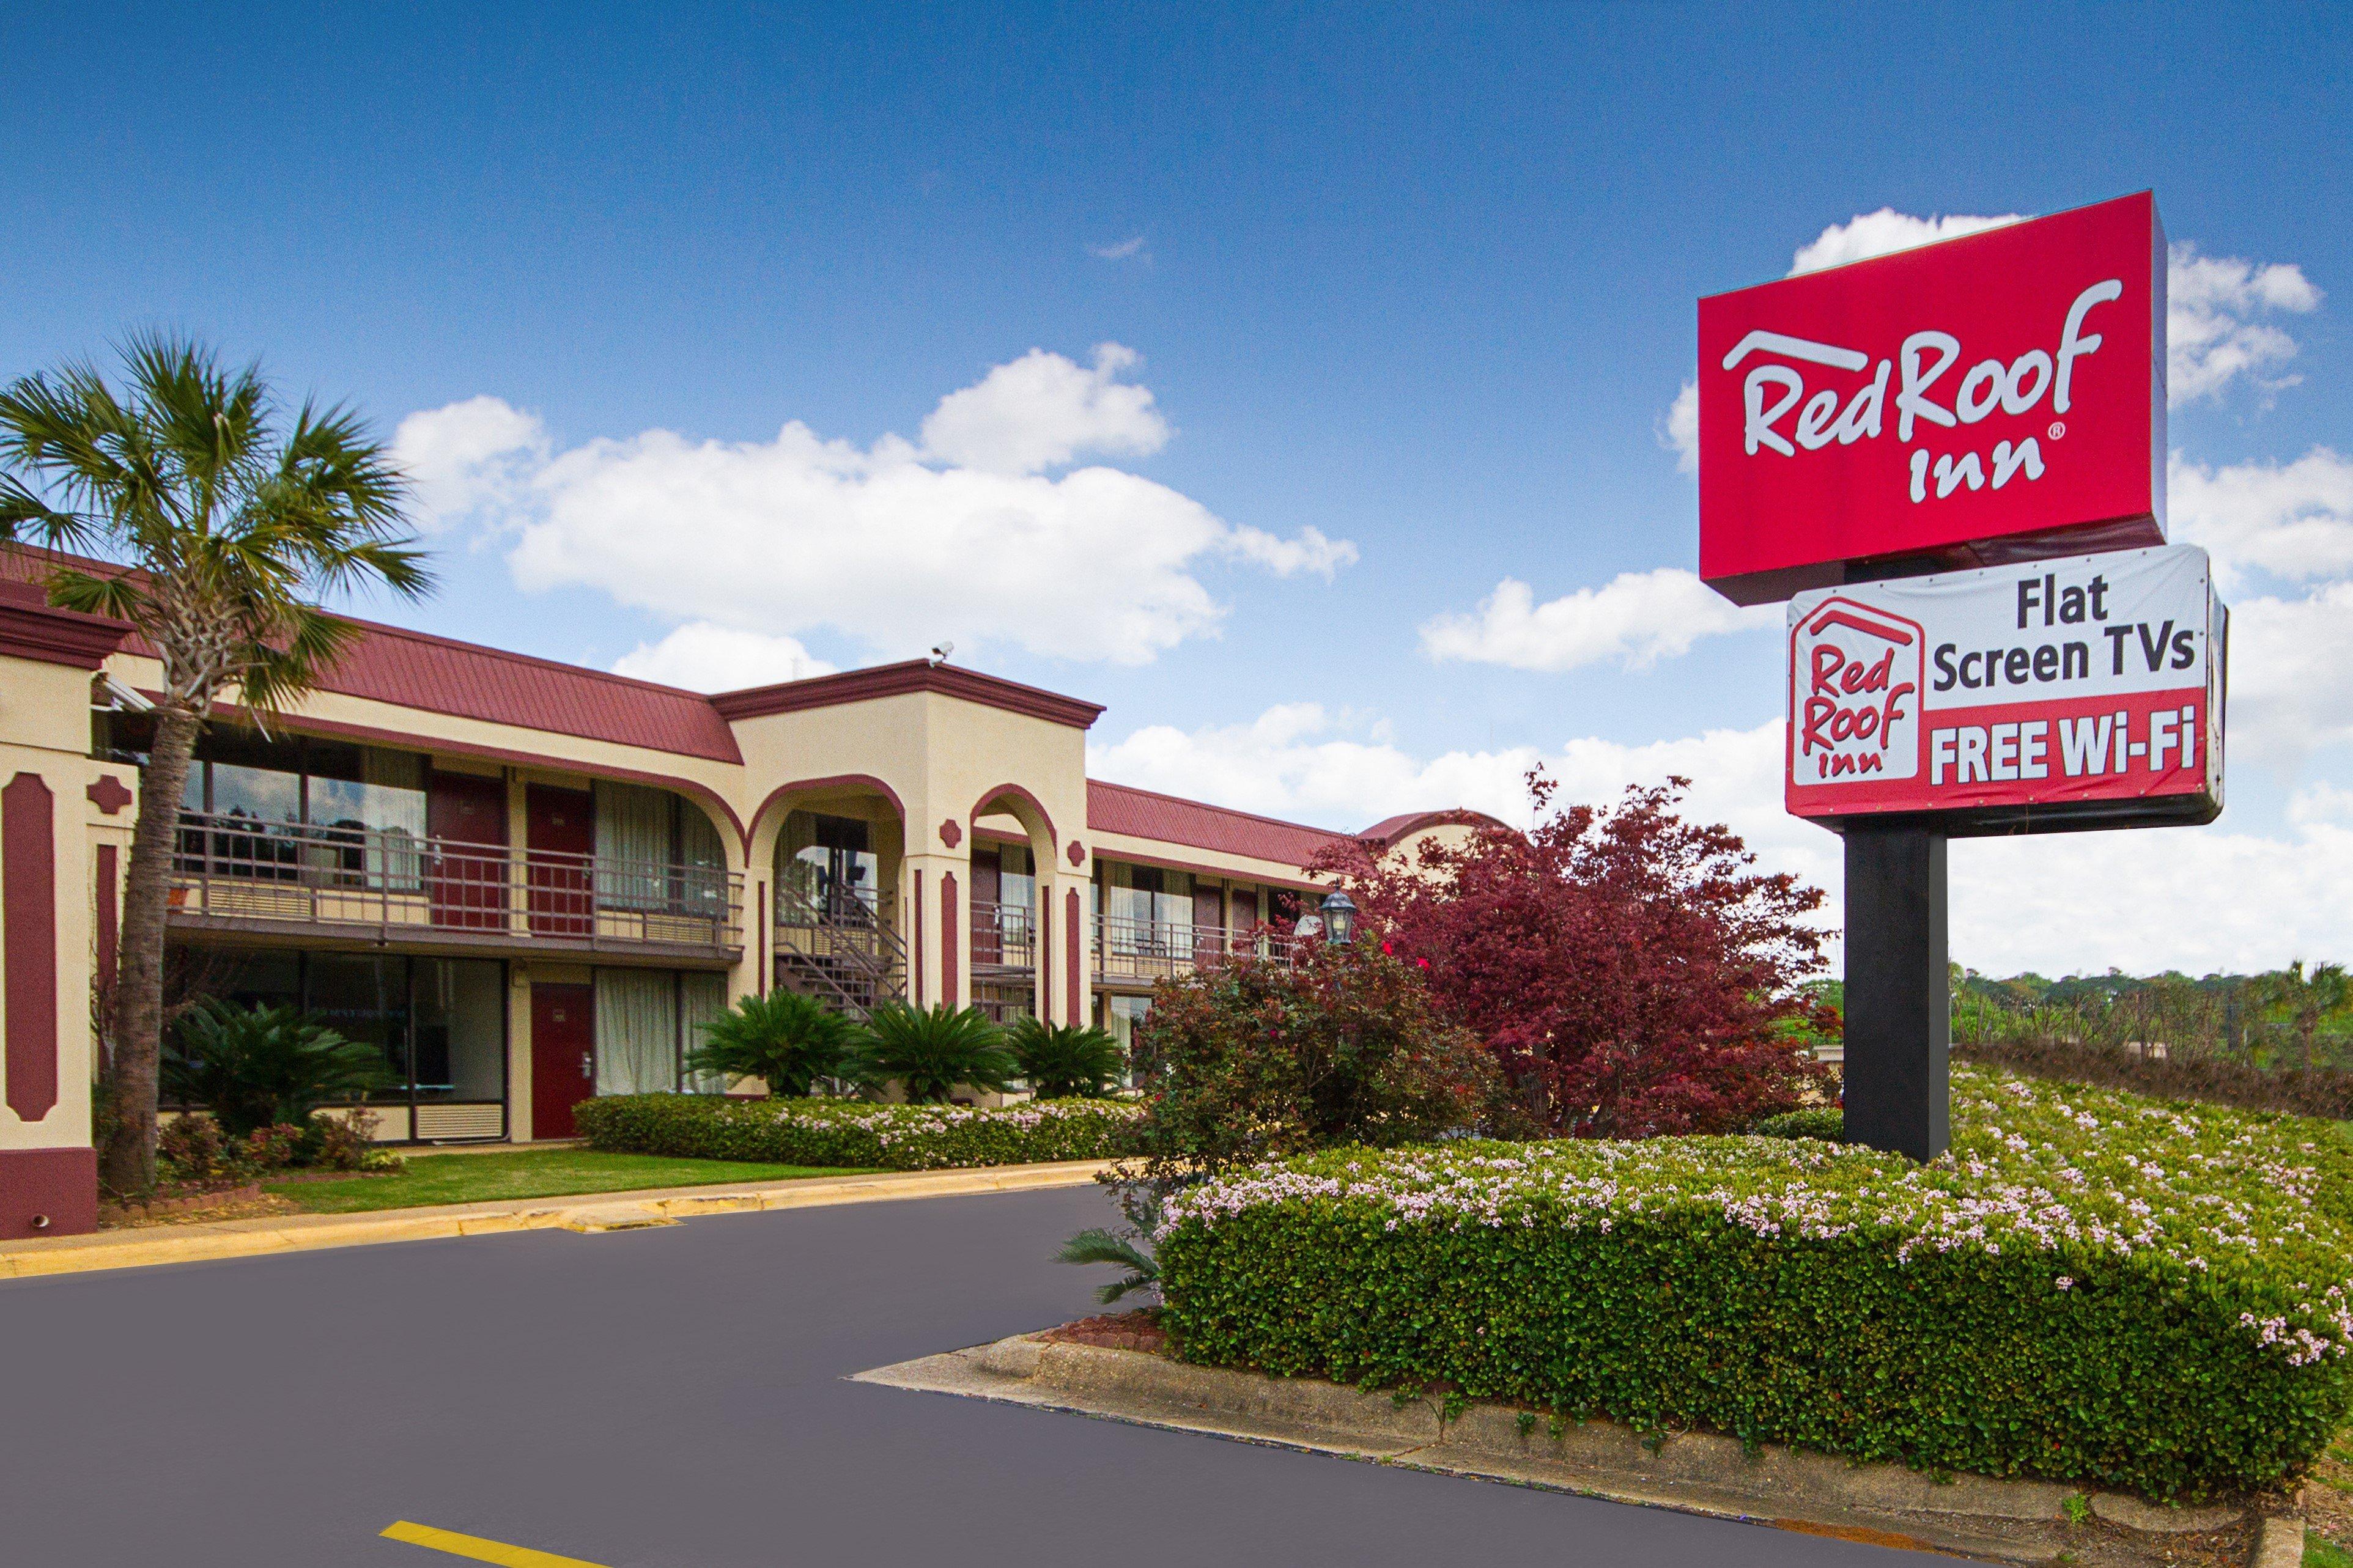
column 915, row 959
column 56, row 1186
column 1388, row 830
column 897, row 679
column 1078, row 852
column 950, row 833
column 28, row 982
column 109, row 794
column 1045, row 954
column 31, row 627
column 806, row 786
column 541, row 762
column 991, row 796
column 947, row 939
column 109, row 907
column 1073, row 957
column 761, row 916
column 1300, row 882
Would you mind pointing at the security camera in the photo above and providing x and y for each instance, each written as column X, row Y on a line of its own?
column 119, row 695
column 940, row 654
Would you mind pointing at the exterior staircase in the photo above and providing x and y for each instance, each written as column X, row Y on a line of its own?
column 843, row 951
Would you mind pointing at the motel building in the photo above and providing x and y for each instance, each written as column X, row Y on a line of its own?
column 528, row 883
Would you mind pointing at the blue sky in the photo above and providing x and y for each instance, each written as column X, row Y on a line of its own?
column 1411, row 293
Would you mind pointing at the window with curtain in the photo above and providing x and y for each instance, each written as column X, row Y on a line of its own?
column 637, row 1031
column 634, row 831
column 702, row 998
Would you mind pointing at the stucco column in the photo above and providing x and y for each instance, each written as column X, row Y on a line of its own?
column 935, row 918
column 1063, row 888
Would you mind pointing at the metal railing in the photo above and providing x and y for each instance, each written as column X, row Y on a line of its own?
column 1140, row 951
column 1004, row 936
column 234, row 867
column 842, row 948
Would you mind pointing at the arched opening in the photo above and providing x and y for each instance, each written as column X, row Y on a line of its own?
column 834, row 867
column 1014, row 952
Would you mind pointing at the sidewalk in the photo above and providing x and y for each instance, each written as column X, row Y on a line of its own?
column 588, row 1212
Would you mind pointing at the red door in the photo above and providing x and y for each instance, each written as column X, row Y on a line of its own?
column 563, row 1056
column 467, row 886
column 560, row 832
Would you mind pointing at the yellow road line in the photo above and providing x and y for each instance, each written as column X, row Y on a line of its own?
column 479, row 1549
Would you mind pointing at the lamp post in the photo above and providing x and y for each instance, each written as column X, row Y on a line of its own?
column 1339, row 918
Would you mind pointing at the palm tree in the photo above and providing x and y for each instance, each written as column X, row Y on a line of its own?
column 223, row 525
column 1064, row 1060
column 932, row 1050
column 2305, row 999
column 785, row 1039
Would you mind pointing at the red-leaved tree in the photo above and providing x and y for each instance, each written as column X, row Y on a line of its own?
column 1633, row 973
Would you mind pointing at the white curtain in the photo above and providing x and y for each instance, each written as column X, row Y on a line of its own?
column 637, row 1031
column 702, row 998
column 633, row 827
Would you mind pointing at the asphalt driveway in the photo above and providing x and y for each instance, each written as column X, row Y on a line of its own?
column 674, row 1398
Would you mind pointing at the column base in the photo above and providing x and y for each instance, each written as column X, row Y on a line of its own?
column 47, row 1192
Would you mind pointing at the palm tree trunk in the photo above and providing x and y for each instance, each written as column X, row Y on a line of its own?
column 128, row 1164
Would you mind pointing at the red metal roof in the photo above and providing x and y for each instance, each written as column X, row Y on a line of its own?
column 1143, row 814
column 1389, row 829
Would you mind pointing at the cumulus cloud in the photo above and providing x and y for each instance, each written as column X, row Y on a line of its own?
column 2289, row 695
column 1679, row 428
column 2216, row 328
column 2292, row 521
column 899, row 546
column 1636, row 619
column 1884, row 233
column 1042, row 410
column 465, row 458
column 702, row 657
column 2194, row 898
column 1120, row 250
column 2213, row 335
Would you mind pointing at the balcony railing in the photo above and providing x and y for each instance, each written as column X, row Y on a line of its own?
column 1139, row 951
column 237, row 868
column 1004, row 936
column 839, row 945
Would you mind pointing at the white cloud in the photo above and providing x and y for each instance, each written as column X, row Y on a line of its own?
column 895, row 545
column 1679, row 428
column 1042, row 410
column 1636, row 618
column 702, row 657
column 2193, row 899
column 2211, row 336
column 2294, row 521
column 466, row 456
column 1885, row 232
column 2289, row 694
column 1122, row 251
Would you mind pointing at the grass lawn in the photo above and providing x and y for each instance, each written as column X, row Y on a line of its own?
column 524, row 1173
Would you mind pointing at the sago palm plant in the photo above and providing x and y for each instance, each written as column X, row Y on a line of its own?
column 223, row 521
column 1065, row 1060
column 933, row 1051
column 258, row 1067
column 785, row 1039
column 1101, row 1245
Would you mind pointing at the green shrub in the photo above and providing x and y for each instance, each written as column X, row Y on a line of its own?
column 1065, row 1061
column 2091, row 1287
column 932, row 1052
column 841, row 1132
column 785, row 1039
column 1827, row 1122
column 258, row 1067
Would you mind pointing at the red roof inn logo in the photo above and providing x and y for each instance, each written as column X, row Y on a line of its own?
column 2087, row 690
column 1855, row 699
column 2006, row 388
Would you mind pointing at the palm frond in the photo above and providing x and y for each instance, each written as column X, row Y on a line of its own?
column 1098, row 1245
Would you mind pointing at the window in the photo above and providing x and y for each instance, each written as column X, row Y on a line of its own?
column 298, row 808
column 831, row 866
column 656, row 851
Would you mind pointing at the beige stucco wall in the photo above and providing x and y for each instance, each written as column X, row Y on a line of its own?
column 45, row 732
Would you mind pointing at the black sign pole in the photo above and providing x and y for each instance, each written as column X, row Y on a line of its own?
column 1899, row 1005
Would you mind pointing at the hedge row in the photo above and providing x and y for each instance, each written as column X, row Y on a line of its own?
column 2093, row 1286
column 856, row 1132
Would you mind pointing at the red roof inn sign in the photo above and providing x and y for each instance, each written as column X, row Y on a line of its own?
column 1993, row 398
column 2085, row 692
column 1951, row 462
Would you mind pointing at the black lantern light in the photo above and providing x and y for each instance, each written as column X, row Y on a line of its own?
column 1339, row 918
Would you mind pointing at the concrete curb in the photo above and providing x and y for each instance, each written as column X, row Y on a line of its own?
column 588, row 1212
column 1883, row 1504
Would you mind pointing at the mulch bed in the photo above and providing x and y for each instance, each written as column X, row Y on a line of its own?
column 1137, row 1330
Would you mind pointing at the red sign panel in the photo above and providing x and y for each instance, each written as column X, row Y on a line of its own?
column 2082, row 692
column 1997, row 398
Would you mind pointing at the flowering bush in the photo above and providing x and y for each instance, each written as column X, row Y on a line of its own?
column 2090, row 1287
column 856, row 1132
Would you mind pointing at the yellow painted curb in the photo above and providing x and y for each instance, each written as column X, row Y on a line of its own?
column 587, row 1212
column 479, row 1548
